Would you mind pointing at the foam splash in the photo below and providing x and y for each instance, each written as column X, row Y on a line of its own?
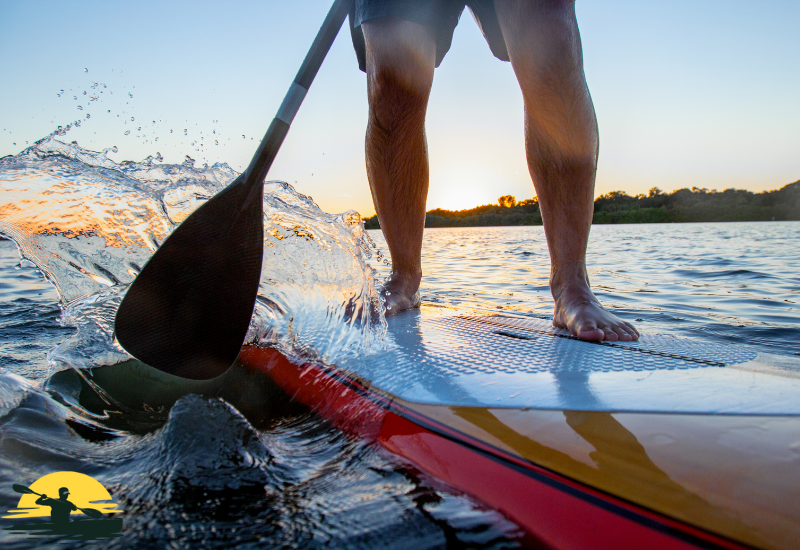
column 90, row 224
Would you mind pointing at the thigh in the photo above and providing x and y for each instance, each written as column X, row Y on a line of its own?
column 543, row 43
column 405, row 50
column 440, row 16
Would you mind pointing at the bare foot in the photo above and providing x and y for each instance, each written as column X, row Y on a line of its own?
column 579, row 311
column 401, row 293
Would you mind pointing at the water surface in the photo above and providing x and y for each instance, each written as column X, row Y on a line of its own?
column 238, row 464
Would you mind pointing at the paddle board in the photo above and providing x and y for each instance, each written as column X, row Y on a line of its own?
column 661, row 443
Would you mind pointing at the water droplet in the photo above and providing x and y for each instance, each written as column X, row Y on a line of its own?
column 127, row 132
column 216, row 142
column 139, row 129
column 88, row 116
column 132, row 119
column 75, row 97
column 15, row 143
column 85, row 70
column 60, row 92
column 80, row 108
column 242, row 136
column 130, row 94
column 109, row 110
column 185, row 133
column 114, row 149
column 84, row 93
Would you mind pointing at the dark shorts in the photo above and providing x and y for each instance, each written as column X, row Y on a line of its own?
column 442, row 15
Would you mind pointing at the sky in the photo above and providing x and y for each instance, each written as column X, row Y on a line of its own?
column 688, row 93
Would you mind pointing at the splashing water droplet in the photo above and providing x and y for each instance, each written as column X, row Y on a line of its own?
column 80, row 107
column 185, row 133
column 139, row 129
column 85, row 70
column 130, row 94
column 60, row 92
column 127, row 132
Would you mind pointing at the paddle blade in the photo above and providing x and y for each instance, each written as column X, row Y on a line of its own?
column 24, row 490
column 91, row 512
column 188, row 311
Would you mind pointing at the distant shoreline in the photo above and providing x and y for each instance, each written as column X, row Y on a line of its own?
column 681, row 206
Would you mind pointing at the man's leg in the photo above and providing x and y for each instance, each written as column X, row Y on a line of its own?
column 562, row 143
column 400, row 61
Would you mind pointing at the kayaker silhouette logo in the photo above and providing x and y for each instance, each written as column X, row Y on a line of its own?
column 67, row 504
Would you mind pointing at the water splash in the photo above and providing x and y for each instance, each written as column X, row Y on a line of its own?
column 90, row 224
column 318, row 298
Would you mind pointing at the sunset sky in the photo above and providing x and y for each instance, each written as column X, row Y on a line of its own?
column 688, row 93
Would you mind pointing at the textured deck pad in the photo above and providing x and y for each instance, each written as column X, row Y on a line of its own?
column 501, row 361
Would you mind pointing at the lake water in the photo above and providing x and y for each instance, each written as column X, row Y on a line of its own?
column 251, row 469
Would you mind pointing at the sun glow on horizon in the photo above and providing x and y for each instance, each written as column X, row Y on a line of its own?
column 466, row 187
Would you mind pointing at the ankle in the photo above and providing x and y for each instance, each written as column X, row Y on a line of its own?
column 569, row 276
column 403, row 282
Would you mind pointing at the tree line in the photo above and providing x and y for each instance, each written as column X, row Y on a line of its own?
column 683, row 205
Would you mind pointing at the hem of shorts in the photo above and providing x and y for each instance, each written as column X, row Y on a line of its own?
column 408, row 13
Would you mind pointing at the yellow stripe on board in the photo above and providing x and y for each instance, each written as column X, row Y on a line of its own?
column 738, row 476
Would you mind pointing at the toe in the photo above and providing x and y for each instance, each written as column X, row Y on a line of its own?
column 630, row 333
column 624, row 336
column 610, row 335
column 590, row 334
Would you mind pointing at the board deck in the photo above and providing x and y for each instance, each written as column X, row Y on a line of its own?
column 443, row 357
column 661, row 443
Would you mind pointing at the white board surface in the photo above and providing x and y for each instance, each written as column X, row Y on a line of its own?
column 446, row 357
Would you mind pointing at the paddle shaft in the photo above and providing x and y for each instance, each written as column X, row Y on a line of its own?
column 188, row 310
column 276, row 133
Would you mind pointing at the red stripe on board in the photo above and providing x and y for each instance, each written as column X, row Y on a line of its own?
column 561, row 513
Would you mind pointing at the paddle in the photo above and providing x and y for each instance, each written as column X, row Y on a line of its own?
column 91, row 512
column 188, row 311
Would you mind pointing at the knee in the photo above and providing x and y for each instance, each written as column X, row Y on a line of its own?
column 400, row 64
column 394, row 98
